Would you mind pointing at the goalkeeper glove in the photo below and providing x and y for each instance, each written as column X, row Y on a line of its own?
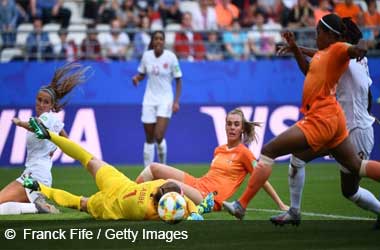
column 207, row 204
column 195, row 216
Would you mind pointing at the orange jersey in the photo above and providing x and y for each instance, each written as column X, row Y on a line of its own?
column 325, row 69
column 352, row 11
column 227, row 171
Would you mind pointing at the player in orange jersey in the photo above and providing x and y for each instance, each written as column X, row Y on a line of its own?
column 323, row 126
column 231, row 164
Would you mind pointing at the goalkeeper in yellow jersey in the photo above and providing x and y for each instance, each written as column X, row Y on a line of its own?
column 118, row 196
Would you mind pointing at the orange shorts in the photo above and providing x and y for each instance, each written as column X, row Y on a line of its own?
column 324, row 131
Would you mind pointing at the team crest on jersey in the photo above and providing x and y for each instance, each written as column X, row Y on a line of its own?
column 166, row 65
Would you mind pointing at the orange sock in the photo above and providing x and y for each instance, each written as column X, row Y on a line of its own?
column 259, row 176
column 370, row 169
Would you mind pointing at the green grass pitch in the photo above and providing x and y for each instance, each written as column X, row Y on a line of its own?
column 329, row 221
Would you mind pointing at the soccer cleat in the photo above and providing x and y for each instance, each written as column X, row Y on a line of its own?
column 292, row 216
column 207, row 204
column 31, row 184
column 235, row 209
column 43, row 207
column 39, row 128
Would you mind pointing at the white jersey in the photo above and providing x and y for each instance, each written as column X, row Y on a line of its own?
column 352, row 94
column 160, row 71
column 38, row 159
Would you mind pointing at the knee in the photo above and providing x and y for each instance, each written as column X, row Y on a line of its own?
column 348, row 191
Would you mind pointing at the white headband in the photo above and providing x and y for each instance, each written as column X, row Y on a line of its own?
column 329, row 27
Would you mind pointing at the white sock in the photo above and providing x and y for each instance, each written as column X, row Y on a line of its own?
column 148, row 153
column 296, row 180
column 366, row 200
column 17, row 208
column 162, row 151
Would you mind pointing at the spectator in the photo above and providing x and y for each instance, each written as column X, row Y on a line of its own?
column 204, row 17
column 226, row 12
column 280, row 13
column 301, row 15
column 116, row 42
column 65, row 50
column 372, row 17
column 8, row 21
column 38, row 46
column 188, row 44
column 128, row 14
column 141, row 39
column 169, row 11
column 50, row 10
column 90, row 47
column 214, row 50
column 262, row 39
column 107, row 11
column 323, row 9
column 236, row 42
column 247, row 18
column 348, row 9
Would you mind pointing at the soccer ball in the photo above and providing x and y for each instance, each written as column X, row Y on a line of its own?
column 172, row 207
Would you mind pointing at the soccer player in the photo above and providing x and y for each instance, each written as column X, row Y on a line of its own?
column 161, row 66
column 14, row 198
column 118, row 196
column 323, row 126
column 231, row 164
column 353, row 95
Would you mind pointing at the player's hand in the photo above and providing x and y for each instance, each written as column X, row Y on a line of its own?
column 175, row 107
column 135, row 80
column 16, row 121
column 283, row 50
column 290, row 39
column 361, row 49
column 207, row 204
column 195, row 216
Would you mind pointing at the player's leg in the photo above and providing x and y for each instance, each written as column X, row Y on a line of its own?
column 14, row 191
column 61, row 197
column 194, row 194
column 12, row 207
column 160, row 171
column 164, row 113
column 290, row 141
column 149, row 120
column 159, row 135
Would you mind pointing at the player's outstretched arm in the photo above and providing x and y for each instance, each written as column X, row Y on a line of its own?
column 303, row 64
column 358, row 51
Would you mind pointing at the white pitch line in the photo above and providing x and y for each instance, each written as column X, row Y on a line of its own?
column 331, row 216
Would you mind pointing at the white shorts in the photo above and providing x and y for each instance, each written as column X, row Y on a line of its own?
column 151, row 112
column 363, row 142
column 41, row 176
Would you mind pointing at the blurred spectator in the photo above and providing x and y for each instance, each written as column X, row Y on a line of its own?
column 65, row 50
column 116, row 42
column 169, row 11
column 372, row 18
column 204, row 17
column 280, row 13
column 236, row 42
column 188, row 44
column 91, row 9
column 8, row 21
column 226, row 12
column 128, row 14
column 90, row 47
column 348, row 9
column 323, row 9
column 50, row 10
column 247, row 17
column 141, row 39
column 22, row 7
column 107, row 11
column 262, row 39
column 38, row 46
column 301, row 15
column 214, row 50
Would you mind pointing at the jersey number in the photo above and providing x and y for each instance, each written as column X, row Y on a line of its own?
column 130, row 194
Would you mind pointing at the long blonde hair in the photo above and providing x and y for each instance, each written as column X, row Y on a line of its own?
column 249, row 134
column 64, row 80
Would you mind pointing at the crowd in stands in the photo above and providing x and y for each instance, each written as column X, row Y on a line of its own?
column 195, row 30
